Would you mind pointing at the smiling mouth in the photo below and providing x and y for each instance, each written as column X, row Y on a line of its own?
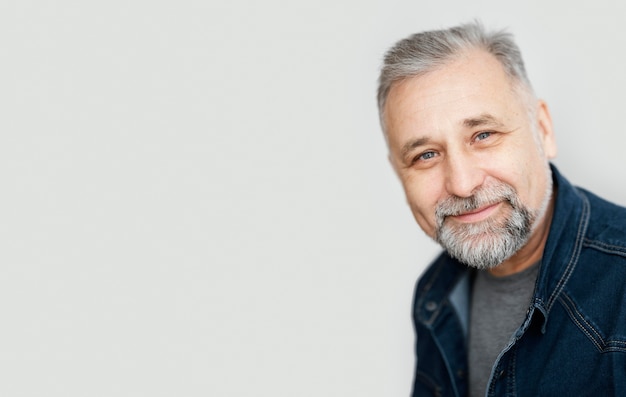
column 477, row 215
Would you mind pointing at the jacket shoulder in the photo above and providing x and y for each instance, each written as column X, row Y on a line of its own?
column 607, row 225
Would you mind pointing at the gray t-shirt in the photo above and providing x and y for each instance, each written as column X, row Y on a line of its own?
column 498, row 309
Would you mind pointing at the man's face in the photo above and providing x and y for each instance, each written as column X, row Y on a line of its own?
column 463, row 143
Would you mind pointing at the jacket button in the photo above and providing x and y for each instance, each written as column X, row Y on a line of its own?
column 501, row 374
column 431, row 306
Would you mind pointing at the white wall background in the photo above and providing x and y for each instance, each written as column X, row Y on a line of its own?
column 195, row 195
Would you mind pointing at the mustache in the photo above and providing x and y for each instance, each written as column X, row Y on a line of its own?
column 482, row 196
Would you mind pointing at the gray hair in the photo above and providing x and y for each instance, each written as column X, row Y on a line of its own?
column 426, row 51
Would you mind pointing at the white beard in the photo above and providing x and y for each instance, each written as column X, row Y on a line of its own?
column 486, row 244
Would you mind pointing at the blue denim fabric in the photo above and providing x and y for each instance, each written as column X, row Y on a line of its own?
column 573, row 340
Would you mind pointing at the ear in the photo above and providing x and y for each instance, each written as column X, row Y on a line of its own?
column 545, row 131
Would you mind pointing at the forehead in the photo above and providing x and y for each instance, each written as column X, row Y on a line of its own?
column 472, row 84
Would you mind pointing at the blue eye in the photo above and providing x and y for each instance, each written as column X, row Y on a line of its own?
column 426, row 156
column 425, row 159
column 483, row 135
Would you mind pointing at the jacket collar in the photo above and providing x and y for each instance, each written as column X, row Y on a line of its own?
column 560, row 255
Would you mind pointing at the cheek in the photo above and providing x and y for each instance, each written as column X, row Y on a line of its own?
column 527, row 175
column 422, row 199
column 539, row 185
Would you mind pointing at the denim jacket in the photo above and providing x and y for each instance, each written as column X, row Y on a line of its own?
column 573, row 339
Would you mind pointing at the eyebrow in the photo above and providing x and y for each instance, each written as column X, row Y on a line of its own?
column 482, row 120
column 412, row 144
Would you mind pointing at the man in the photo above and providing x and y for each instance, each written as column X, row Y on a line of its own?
column 529, row 296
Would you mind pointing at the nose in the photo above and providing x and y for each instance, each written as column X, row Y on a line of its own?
column 463, row 175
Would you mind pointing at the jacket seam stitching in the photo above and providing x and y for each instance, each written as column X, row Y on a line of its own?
column 582, row 226
column 601, row 344
column 608, row 248
column 571, row 311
